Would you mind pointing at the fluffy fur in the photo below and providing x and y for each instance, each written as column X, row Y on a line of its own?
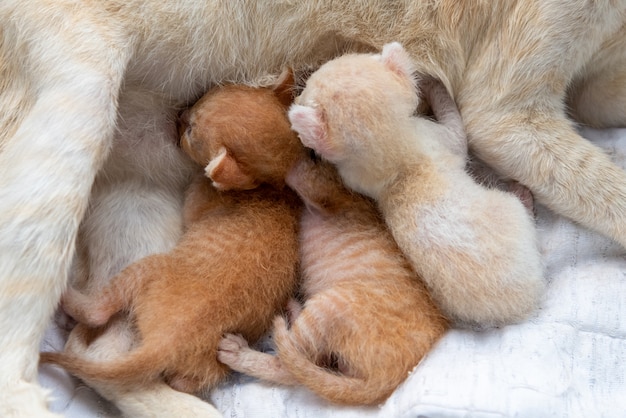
column 234, row 267
column 81, row 82
column 475, row 247
column 366, row 313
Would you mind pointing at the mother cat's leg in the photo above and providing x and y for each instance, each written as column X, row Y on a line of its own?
column 538, row 147
column 598, row 96
column 60, row 73
column 512, row 103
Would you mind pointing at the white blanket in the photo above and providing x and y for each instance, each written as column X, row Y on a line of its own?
column 569, row 360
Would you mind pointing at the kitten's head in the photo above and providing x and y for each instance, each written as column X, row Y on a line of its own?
column 351, row 106
column 242, row 135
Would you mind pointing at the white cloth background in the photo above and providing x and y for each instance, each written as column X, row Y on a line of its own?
column 569, row 360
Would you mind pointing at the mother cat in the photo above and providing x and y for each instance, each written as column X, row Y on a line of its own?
column 83, row 82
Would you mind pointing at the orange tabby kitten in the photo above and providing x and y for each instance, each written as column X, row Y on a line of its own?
column 367, row 315
column 235, row 266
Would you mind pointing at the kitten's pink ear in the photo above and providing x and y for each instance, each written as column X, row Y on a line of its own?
column 226, row 173
column 308, row 122
column 395, row 57
column 284, row 87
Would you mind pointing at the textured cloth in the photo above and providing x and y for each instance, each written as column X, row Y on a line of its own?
column 568, row 360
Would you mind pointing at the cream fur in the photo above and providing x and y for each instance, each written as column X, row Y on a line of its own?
column 71, row 73
column 474, row 247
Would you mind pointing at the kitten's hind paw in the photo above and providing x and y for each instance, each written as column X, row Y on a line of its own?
column 233, row 351
column 230, row 347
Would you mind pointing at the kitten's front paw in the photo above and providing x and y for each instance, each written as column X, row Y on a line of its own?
column 230, row 347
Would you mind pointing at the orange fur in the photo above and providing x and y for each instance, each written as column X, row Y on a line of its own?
column 234, row 267
column 367, row 320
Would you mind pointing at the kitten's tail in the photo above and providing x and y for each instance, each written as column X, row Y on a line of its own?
column 141, row 365
column 297, row 351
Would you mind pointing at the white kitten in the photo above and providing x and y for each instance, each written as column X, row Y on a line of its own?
column 474, row 247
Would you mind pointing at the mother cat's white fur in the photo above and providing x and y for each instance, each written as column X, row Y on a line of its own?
column 67, row 66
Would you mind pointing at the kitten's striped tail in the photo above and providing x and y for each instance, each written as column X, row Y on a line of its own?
column 139, row 366
column 297, row 350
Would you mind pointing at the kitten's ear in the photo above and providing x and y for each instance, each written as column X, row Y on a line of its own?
column 309, row 123
column 395, row 58
column 283, row 89
column 226, row 173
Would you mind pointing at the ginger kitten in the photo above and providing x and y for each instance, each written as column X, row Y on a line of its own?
column 235, row 266
column 367, row 319
column 474, row 247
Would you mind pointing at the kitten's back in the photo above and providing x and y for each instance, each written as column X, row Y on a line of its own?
column 366, row 312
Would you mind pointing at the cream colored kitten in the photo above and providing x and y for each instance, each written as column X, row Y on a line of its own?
column 475, row 247
column 367, row 319
column 73, row 74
